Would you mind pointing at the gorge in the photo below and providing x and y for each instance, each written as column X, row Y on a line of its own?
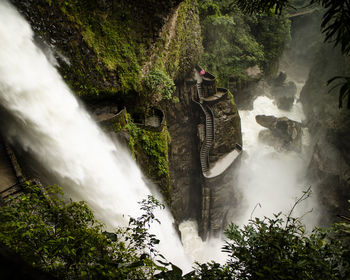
column 199, row 145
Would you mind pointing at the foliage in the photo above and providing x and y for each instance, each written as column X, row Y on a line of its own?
column 210, row 270
column 229, row 47
column 65, row 240
column 139, row 236
column 335, row 25
column 277, row 248
column 268, row 249
column 335, row 22
column 344, row 89
column 272, row 32
column 262, row 6
column 234, row 41
column 157, row 81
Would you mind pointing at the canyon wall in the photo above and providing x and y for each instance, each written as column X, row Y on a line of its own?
column 329, row 125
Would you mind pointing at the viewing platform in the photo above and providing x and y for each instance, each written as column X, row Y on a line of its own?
column 206, row 95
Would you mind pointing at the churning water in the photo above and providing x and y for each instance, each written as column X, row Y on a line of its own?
column 270, row 180
column 52, row 126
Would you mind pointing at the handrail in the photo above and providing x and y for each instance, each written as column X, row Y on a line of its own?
column 209, row 131
column 114, row 117
column 18, row 188
column 14, row 189
column 213, row 123
column 13, row 160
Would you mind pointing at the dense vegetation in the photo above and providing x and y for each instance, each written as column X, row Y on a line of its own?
column 65, row 240
column 233, row 41
column 335, row 26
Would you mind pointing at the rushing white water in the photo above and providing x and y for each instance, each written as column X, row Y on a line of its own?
column 270, row 180
column 57, row 131
column 197, row 249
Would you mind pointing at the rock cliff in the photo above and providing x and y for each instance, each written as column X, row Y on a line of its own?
column 124, row 59
column 330, row 128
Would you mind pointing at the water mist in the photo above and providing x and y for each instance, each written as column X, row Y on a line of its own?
column 52, row 126
column 271, row 180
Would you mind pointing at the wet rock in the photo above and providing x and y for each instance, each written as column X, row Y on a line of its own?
column 227, row 129
column 280, row 79
column 283, row 92
column 284, row 103
column 283, row 133
column 102, row 112
column 329, row 174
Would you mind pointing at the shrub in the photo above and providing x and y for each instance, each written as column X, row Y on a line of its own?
column 65, row 240
column 157, row 81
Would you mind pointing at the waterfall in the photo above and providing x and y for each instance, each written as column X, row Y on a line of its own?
column 269, row 180
column 50, row 124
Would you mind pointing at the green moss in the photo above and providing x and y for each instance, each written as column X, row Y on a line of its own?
column 157, row 81
column 154, row 146
column 230, row 95
column 186, row 47
column 184, row 44
column 149, row 149
column 111, row 41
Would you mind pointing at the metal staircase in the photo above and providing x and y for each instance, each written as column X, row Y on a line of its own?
column 209, row 131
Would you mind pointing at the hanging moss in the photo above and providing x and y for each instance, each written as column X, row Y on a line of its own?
column 152, row 152
column 157, row 81
column 109, row 38
column 149, row 148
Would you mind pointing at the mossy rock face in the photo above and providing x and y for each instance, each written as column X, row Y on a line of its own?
column 185, row 48
column 102, row 48
column 148, row 147
column 152, row 153
column 79, row 65
column 180, row 46
column 100, row 45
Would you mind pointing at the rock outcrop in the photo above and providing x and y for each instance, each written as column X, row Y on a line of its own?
column 227, row 129
column 106, row 50
column 329, row 173
column 220, row 140
column 283, row 133
column 283, row 92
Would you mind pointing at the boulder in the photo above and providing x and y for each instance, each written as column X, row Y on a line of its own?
column 283, row 92
column 280, row 79
column 283, row 133
column 284, row 102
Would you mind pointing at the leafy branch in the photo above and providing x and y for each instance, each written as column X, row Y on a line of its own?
column 344, row 91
